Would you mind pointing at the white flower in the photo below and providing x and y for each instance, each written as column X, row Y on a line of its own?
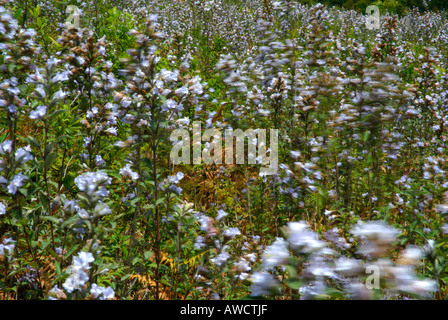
column 52, row 62
column 7, row 247
column 181, row 91
column 377, row 238
column 2, row 209
column 176, row 178
column 23, row 154
column 78, row 270
column 83, row 214
column 231, row 232
column 221, row 214
column 220, row 258
column 16, row 183
column 172, row 106
column 295, row 154
column 303, row 239
column 76, row 280
column 445, row 228
column 112, row 131
column 71, row 205
column 412, row 253
column 60, row 76
column 6, row 147
column 101, row 51
column 348, row 266
column 101, row 209
column 128, row 173
column 263, row 284
column 93, row 183
column 99, row 161
column 80, row 60
column 169, row 76
column 39, row 113
column 59, row 95
column 83, row 259
column 101, row 292
column 276, row 254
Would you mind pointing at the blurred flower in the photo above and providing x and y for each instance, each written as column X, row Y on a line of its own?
column 128, row 173
column 276, row 254
column 263, row 283
column 7, row 247
column 23, row 154
column 93, row 183
column 16, row 183
column 303, row 239
column 39, row 113
column 101, row 292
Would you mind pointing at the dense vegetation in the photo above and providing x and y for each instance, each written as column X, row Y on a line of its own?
column 392, row 6
column 92, row 205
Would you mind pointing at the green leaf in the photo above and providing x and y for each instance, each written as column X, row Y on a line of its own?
column 56, row 113
column 70, row 221
column 52, row 219
column 49, row 159
column 57, row 266
column 295, row 285
column 43, row 200
column 70, row 252
column 292, row 271
column 147, row 255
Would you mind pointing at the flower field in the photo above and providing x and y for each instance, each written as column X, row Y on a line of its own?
column 120, row 178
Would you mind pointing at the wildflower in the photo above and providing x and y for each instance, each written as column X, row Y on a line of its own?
column 263, row 283
column 101, row 292
column 200, row 242
column 221, row 214
column 220, row 258
column 7, row 247
column 5, row 147
column 377, row 236
column 230, row 233
column 99, row 161
column 2, row 209
column 128, row 173
column 112, row 131
column 39, row 113
column 101, row 209
column 93, row 183
column 59, row 95
column 83, row 213
column 348, row 266
column 303, row 239
column 60, row 76
column 23, row 155
column 176, row 189
column 16, row 183
column 78, row 270
column 411, row 255
column 276, row 254
column 242, row 265
column 176, row 178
